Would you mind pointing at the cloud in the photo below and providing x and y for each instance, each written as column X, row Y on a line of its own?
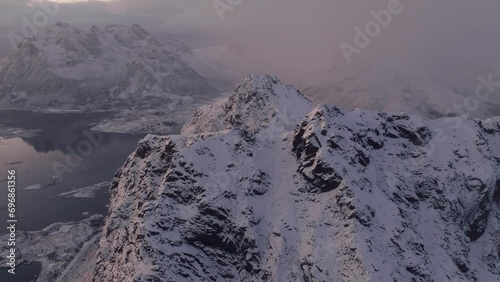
column 296, row 37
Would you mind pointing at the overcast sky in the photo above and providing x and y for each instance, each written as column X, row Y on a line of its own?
column 296, row 34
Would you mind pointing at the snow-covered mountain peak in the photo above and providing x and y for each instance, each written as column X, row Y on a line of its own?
column 65, row 66
column 339, row 196
column 259, row 101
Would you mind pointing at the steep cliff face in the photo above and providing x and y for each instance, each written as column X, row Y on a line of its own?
column 249, row 193
column 64, row 66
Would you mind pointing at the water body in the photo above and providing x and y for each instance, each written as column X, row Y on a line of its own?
column 54, row 150
column 24, row 273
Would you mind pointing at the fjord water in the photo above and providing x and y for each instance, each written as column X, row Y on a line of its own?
column 34, row 158
column 24, row 273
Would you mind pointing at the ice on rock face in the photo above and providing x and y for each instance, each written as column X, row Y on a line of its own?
column 114, row 66
column 335, row 196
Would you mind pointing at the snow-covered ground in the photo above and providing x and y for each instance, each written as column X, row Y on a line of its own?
column 55, row 179
column 57, row 246
column 166, row 120
column 263, row 186
column 81, row 267
column 86, row 192
column 9, row 133
column 144, row 121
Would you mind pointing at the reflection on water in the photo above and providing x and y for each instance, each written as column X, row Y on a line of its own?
column 34, row 159
column 56, row 131
column 65, row 142
column 57, row 121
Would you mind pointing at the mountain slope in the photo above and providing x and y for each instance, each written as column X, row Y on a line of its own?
column 63, row 66
column 333, row 196
column 258, row 101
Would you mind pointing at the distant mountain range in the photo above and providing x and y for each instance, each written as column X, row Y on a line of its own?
column 114, row 66
column 64, row 67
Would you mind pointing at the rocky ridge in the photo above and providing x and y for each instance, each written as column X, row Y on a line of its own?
column 252, row 192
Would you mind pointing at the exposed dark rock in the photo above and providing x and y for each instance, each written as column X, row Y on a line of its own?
column 478, row 220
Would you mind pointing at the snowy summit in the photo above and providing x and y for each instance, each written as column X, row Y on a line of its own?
column 261, row 186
